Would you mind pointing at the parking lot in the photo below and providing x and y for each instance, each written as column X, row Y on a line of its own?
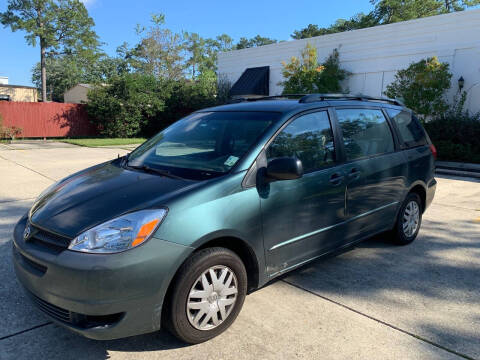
column 374, row 301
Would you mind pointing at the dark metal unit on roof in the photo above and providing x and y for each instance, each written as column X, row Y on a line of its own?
column 253, row 82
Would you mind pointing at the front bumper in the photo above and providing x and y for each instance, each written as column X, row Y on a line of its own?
column 97, row 295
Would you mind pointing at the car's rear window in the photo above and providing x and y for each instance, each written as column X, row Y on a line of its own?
column 410, row 129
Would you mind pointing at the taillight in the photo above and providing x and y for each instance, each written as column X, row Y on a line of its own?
column 433, row 149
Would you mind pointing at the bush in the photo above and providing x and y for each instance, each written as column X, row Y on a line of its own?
column 9, row 132
column 456, row 135
column 422, row 87
column 126, row 105
column 306, row 75
column 141, row 105
column 184, row 97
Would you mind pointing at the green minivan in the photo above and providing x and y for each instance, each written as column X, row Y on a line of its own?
column 176, row 233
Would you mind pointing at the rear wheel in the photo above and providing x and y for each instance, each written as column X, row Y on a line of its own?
column 207, row 295
column 409, row 220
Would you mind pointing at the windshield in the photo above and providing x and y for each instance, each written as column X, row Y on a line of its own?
column 211, row 143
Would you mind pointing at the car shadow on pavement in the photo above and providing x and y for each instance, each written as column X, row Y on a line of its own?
column 429, row 288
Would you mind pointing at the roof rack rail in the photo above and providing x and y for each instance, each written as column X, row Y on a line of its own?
column 322, row 97
column 273, row 97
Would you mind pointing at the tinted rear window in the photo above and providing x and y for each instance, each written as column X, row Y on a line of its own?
column 411, row 132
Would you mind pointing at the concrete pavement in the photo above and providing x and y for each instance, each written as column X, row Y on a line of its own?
column 375, row 301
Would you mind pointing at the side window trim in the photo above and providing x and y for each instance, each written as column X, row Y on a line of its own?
column 396, row 143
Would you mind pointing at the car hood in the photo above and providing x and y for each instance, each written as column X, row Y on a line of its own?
column 101, row 193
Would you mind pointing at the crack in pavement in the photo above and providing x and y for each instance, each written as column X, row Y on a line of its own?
column 418, row 337
column 26, row 330
column 15, row 200
column 26, row 167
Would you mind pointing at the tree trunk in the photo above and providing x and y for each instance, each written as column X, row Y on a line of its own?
column 43, row 66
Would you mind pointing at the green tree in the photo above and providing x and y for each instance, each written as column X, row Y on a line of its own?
column 391, row 11
column 305, row 75
column 358, row 21
column 126, row 106
column 160, row 51
column 68, row 70
column 258, row 40
column 58, row 26
column 387, row 12
column 422, row 87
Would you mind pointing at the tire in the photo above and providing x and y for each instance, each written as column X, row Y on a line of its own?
column 188, row 305
column 405, row 230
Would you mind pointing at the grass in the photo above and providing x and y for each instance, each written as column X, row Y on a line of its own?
column 95, row 142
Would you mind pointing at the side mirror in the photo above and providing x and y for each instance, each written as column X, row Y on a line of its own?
column 284, row 168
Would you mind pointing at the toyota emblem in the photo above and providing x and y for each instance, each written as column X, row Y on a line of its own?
column 26, row 232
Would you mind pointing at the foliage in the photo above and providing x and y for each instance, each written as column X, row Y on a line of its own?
column 9, row 132
column 387, row 12
column 95, row 142
column 127, row 105
column 223, row 89
column 159, row 52
column 66, row 71
column 258, row 40
column 456, row 134
column 306, row 75
column 422, row 86
column 141, row 104
column 358, row 21
column 59, row 26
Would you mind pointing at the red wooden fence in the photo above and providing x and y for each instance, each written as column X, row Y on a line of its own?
column 47, row 119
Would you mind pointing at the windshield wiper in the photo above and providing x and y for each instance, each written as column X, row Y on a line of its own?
column 155, row 171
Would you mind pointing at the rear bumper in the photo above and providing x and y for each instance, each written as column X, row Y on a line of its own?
column 99, row 296
column 430, row 193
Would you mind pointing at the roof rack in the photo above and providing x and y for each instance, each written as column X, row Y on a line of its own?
column 310, row 98
column 322, row 97
column 273, row 97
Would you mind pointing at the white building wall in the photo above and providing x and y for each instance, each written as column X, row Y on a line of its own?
column 374, row 55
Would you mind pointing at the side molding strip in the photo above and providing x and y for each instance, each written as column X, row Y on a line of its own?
column 304, row 236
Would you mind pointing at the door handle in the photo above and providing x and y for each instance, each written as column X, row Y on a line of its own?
column 354, row 173
column 336, row 179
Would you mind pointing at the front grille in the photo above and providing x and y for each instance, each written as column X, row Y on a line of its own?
column 50, row 240
column 54, row 311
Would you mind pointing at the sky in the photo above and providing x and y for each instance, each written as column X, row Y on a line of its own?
column 115, row 21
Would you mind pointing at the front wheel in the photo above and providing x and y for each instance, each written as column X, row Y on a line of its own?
column 207, row 295
column 409, row 220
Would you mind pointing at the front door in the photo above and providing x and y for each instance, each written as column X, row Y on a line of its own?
column 301, row 217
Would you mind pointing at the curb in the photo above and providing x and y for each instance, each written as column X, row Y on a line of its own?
column 458, row 169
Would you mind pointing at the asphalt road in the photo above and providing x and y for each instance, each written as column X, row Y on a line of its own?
column 374, row 301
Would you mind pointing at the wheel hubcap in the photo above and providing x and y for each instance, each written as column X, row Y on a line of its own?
column 212, row 298
column 411, row 217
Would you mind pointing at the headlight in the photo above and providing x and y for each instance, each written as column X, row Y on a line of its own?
column 119, row 234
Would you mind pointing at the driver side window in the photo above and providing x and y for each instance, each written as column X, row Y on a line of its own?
column 309, row 138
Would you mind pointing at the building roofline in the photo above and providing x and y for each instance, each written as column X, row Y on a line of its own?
column 17, row 86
